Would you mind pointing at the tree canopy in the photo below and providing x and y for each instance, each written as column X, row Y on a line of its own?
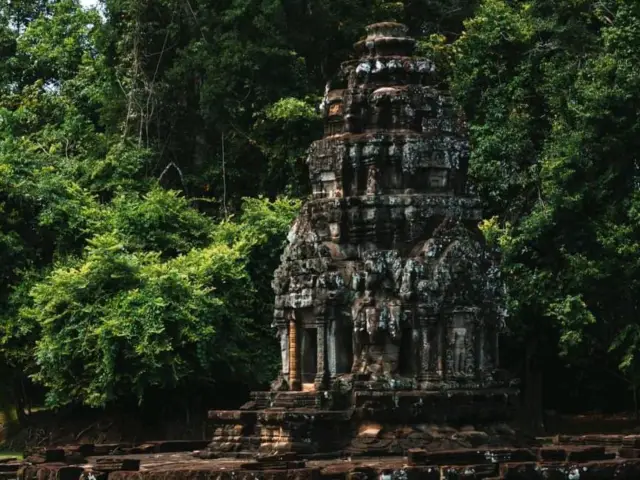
column 551, row 93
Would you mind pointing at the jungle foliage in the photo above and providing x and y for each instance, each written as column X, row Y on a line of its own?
column 152, row 160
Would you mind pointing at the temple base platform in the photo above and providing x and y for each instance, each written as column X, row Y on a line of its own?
column 365, row 423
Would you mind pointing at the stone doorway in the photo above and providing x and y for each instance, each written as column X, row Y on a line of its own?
column 344, row 349
column 308, row 356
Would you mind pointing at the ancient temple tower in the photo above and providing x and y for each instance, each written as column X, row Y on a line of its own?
column 385, row 276
column 388, row 305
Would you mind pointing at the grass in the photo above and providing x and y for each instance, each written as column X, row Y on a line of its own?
column 9, row 454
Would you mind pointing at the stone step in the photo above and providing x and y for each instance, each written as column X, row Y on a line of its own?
column 305, row 415
column 292, row 467
column 481, row 471
column 627, row 452
column 9, row 467
column 596, row 439
column 632, row 441
column 232, row 416
column 296, row 400
column 551, row 454
column 471, row 456
column 260, row 400
column 116, row 465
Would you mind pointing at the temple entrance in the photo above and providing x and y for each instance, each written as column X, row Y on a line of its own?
column 308, row 356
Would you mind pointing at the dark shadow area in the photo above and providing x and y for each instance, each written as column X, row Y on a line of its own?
column 309, row 354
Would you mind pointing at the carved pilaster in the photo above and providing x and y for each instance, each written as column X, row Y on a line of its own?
column 469, row 362
column 496, row 353
column 321, row 375
column 283, row 334
column 436, row 358
column 425, row 349
column 481, row 353
column 416, row 353
column 331, row 353
column 444, row 353
column 294, row 371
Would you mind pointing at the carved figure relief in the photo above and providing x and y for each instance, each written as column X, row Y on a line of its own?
column 462, row 345
column 372, row 180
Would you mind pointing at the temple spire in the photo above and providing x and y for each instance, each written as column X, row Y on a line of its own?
column 384, row 297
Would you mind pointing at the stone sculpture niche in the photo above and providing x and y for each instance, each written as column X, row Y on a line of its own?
column 388, row 247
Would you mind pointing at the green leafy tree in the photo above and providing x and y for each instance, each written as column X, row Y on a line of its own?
column 551, row 96
column 107, row 278
column 163, row 299
column 47, row 139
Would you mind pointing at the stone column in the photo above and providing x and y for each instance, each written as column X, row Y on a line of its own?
column 321, row 328
column 432, row 349
column 470, row 365
column 441, row 355
column 480, row 339
column 331, row 353
column 294, row 371
column 416, row 351
column 283, row 333
column 496, row 350
column 425, row 349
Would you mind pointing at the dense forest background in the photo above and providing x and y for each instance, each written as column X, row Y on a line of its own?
column 152, row 159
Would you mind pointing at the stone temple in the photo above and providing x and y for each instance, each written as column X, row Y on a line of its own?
column 388, row 306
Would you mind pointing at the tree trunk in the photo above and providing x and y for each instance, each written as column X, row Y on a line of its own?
column 533, row 419
column 19, row 399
